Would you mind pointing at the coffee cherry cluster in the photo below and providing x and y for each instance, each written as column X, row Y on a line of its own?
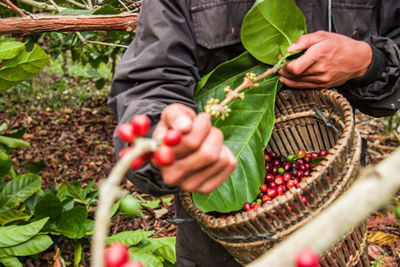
column 139, row 127
column 117, row 255
column 283, row 173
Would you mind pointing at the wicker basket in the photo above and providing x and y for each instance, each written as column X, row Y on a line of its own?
column 312, row 120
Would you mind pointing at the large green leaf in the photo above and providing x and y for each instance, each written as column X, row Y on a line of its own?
column 11, row 262
column 24, row 66
column 163, row 247
column 19, row 189
column 16, row 234
column 270, row 27
column 246, row 131
column 147, row 259
column 72, row 222
column 33, row 246
column 13, row 142
column 9, row 216
column 129, row 238
column 48, row 206
column 10, row 48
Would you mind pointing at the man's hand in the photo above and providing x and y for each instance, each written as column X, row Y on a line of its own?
column 203, row 162
column 330, row 60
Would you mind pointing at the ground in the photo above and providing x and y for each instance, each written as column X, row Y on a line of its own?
column 75, row 143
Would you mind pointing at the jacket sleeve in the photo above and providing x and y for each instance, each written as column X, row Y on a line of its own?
column 377, row 93
column 157, row 69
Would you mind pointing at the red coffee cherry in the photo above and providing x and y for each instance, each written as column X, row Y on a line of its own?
column 172, row 137
column 301, row 154
column 263, row 188
column 267, row 158
column 141, row 124
column 246, row 206
column 272, row 192
column 133, row 264
column 164, row 155
column 280, row 190
column 314, row 155
column 323, row 153
column 255, row 205
column 116, row 254
column 125, row 132
column 136, row 163
column 307, row 258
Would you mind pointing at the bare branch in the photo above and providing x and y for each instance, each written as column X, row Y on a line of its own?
column 85, row 41
column 39, row 5
column 78, row 4
column 68, row 23
column 14, row 7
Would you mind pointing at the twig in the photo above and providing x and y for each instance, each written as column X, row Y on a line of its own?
column 109, row 191
column 15, row 8
column 40, row 5
column 123, row 4
column 58, row 8
column 396, row 135
column 78, row 4
column 89, row 3
column 346, row 212
column 84, row 41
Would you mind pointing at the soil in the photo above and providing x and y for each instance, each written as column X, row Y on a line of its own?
column 75, row 143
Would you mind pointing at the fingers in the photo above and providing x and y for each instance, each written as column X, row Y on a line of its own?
column 208, row 179
column 307, row 40
column 301, row 84
column 176, row 116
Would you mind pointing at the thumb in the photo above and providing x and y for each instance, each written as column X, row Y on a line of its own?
column 307, row 40
column 178, row 117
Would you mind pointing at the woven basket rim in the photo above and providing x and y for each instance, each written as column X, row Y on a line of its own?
column 210, row 221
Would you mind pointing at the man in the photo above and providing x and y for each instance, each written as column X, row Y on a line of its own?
column 177, row 42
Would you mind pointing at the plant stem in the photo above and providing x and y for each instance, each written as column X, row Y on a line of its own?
column 110, row 191
column 39, row 5
column 14, row 7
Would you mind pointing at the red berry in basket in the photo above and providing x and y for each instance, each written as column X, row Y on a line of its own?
column 263, row 188
column 267, row 158
column 116, row 254
column 141, row 124
column 268, row 167
column 287, row 166
column 280, row 190
column 303, row 199
column 279, row 180
column 276, row 163
column 136, row 163
column 272, row 154
column 246, row 206
column 307, row 159
column 302, row 167
column 172, row 137
column 269, row 177
column 287, row 176
column 307, row 165
column 133, row 264
column 295, row 166
column 272, row 192
column 301, row 154
column 314, row 155
column 255, row 205
column 307, row 258
column 272, row 184
column 300, row 174
column 164, row 155
column 274, row 171
column 296, row 182
column 306, row 173
column 323, row 153
column 290, row 184
column 265, row 198
column 125, row 132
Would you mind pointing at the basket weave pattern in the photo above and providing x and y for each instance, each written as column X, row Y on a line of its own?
column 313, row 121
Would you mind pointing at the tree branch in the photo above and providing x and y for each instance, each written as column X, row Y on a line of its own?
column 39, row 5
column 353, row 207
column 68, row 23
column 14, row 7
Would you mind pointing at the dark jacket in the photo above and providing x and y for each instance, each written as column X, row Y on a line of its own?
column 178, row 41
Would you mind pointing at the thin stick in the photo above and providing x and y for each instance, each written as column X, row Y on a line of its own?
column 78, row 4
column 349, row 210
column 15, row 8
column 109, row 191
column 40, row 5
column 84, row 41
column 123, row 4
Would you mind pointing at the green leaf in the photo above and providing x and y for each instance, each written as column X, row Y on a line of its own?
column 10, row 48
column 270, row 27
column 13, row 142
column 100, row 83
column 4, row 85
column 9, row 216
column 19, row 133
column 246, row 131
column 17, row 234
column 71, row 222
column 35, row 167
column 129, row 238
column 19, row 189
column 152, row 204
column 33, row 246
column 24, row 66
column 107, row 10
column 75, row 190
column 77, row 254
column 163, row 247
column 167, row 200
column 3, row 127
column 48, row 206
column 10, row 262
column 147, row 259
column 5, row 167
column 115, row 208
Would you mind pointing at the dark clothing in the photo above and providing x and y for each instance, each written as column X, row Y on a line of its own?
column 179, row 41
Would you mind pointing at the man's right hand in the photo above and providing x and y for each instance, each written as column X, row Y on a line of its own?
column 202, row 162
